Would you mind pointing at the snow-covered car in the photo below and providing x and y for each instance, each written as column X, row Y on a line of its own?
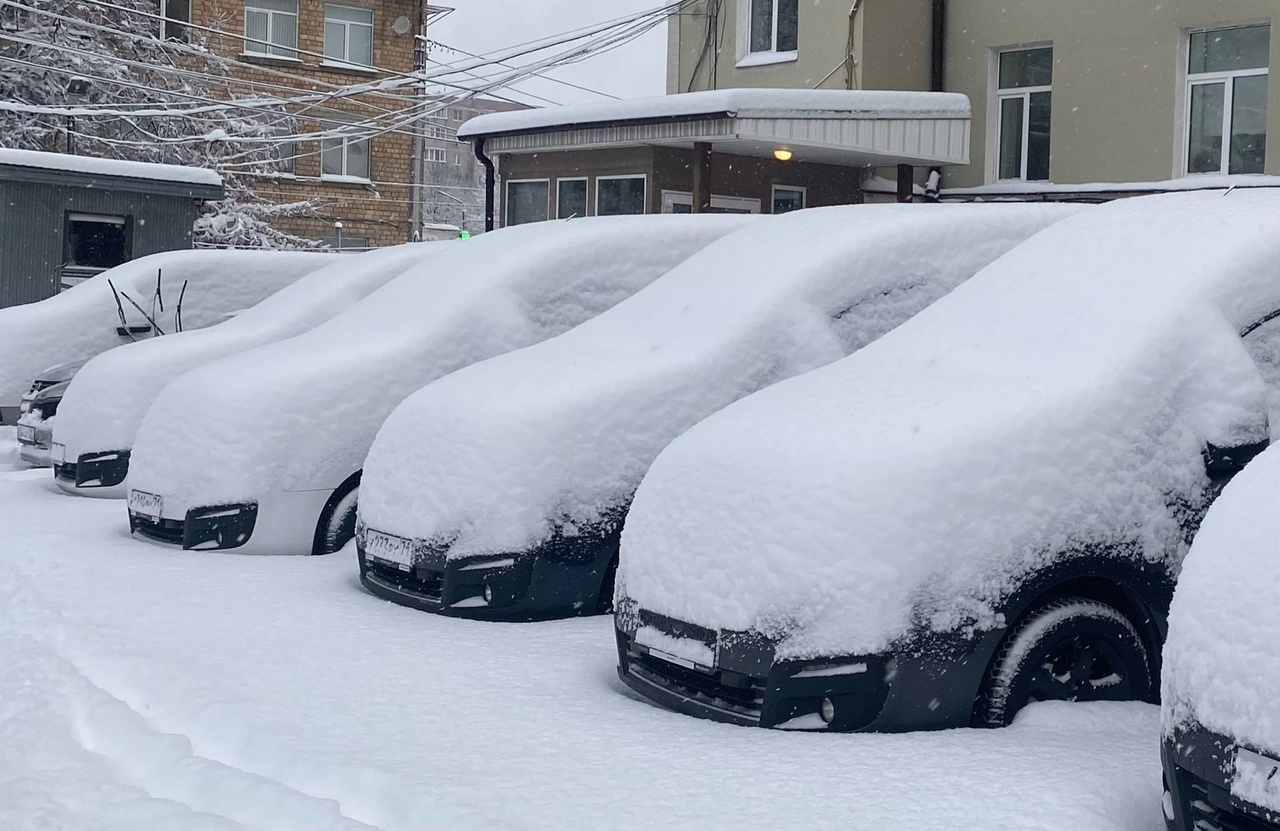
column 988, row 506
column 37, row 411
column 109, row 397
column 262, row 451
column 1220, row 686
column 498, row 492
column 100, row 313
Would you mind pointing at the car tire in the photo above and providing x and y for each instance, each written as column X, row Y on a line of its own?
column 337, row 524
column 1065, row 649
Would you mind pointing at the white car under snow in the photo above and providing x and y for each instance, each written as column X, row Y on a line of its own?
column 102, row 409
column 987, row 506
column 1221, row 682
column 498, row 492
column 262, row 451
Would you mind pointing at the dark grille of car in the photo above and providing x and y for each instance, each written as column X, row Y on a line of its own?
column 163, row 530
column 678, row 628
column 1206, row 817
column 65, row 471
column 420, row 582
column 704, row 688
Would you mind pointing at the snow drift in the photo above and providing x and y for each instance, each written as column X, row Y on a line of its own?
column 81, row 322
column 1221, row 665
column 561, row 433
column 1061, row 397
column 107, row 400
column 300, row 414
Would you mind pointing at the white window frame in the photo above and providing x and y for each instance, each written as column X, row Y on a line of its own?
column 998, row 97
column 804, row 195
column 747, row 58
column 506, row 197
column 435, row 155
column 263, row 49
column 1227, row 79
column 344, row 147
column 167, row 20
column 586, row 207
column 345, row 61
column 671, row 198
column 595, row 209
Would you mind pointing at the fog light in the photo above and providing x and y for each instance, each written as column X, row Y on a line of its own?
column 488, row 593
column 827, row 709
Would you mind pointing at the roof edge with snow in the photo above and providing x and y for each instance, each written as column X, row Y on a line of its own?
column 29, row 165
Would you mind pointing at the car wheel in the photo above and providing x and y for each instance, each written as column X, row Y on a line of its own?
column 338, row 523
column 1067, row 649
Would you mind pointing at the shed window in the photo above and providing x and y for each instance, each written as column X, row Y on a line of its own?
column 619, row 195
column 527, row 201
column 97, row 242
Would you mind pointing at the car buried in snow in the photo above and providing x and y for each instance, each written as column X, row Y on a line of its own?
column 38, row 409
column 498, row 492
column 984, row 508
column 261, row 452
column 1221, row 679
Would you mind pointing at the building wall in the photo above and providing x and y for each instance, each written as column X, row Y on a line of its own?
column 1117, row 88
column 378, row 211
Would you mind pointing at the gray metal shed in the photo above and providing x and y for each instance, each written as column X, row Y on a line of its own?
column 65, row 218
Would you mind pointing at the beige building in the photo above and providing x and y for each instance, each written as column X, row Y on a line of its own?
column 1087, row 91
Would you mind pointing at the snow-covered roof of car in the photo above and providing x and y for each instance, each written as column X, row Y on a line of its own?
column 109, row 167
column 1221, row 665
column 298, row 412
column 492, row 455
column 1060, row 398
column 81, row 322
column 739, row 103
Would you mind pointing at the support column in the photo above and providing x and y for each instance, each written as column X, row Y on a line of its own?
column 702, row 177
column 906, row 182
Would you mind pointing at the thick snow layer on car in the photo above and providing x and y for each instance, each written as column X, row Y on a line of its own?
column 1059, row 399
column 106, row 402
column 1221, row 661
column 562, row 432
column 302, row 413
column 81, row 322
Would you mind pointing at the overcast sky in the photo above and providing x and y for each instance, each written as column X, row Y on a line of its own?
column 486, row 26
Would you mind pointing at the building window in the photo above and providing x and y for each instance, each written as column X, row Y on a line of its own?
column 348, row 35
column 773, row 25
column 527, row 200
column 1227, row 99
column 1024, row 102
column 95, row 242
column 347, row 242
column 787, row 199
column 342, row 157
column 271, row 28
column 433, row 131
column 435, row 155
column 457, row 115
column 571, row 198
column 177, row 15
column 620, row 195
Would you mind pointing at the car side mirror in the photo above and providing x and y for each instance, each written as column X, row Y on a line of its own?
column 1225, row 462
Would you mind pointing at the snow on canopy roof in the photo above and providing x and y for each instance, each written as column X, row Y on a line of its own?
column 495, row 454
column 1224, row 623
column 1060, row 398
column 109, row 167
column 1196, row 182
column 735, row 103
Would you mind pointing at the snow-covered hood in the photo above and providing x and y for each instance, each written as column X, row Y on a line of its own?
column 81, row 322
column 1061, row 397
column 1221, row 661
column 60, row 373
column 562, row 432
column 110, row 396
column 301, row 413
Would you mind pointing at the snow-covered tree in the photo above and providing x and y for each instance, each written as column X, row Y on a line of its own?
column 125, row 84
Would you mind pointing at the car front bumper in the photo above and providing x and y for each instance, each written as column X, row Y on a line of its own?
column 215, row 527
column 94, row 474
column 1199, row 768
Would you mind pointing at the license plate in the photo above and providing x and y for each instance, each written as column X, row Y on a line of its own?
column 390, row 549
column 1256, row 779
column 26, row 434
column 146, row 504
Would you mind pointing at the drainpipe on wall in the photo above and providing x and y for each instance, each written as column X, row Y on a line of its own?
column 488, row 183
column 937, row 80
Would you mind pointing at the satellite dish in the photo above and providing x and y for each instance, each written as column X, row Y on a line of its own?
column 401, row 26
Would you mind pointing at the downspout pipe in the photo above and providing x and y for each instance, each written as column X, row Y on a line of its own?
column 488, row 183
column 937, row 78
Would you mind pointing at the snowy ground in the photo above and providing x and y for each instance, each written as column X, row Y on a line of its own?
column 140, row 688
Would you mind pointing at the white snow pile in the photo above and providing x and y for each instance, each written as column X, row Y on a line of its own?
column 496, row 455
column 81, row 322
column 301, row 414
column 105, row 403
column 1060, row 398
column 109, row 167
column 1221, row 662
